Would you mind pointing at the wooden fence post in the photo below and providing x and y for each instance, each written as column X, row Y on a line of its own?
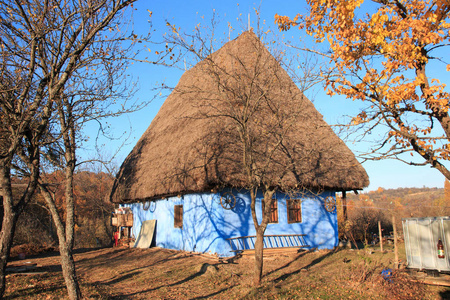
column 381, row 236
column 395, row 242
column 344, row 205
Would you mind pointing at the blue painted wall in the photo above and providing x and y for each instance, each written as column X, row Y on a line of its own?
column 206, row 225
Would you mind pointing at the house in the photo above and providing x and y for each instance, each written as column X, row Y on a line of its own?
column 187, row 170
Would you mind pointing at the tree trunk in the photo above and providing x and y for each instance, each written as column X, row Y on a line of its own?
column 65, row 248
column 69, row 272
column 259, row 248
column 260, row 230
column 11, row 210
column 8, row 228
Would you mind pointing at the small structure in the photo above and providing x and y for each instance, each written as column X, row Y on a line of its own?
column 186, row 170
column 122, row 220
column 422, row 236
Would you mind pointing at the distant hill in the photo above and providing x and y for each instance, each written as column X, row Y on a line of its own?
column 409, row 202
column 413, row 194
column 366, row 209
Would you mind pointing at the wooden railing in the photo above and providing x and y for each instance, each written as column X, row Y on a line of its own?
column 243, row 243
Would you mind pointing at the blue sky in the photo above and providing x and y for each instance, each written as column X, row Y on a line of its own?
column 187, row 14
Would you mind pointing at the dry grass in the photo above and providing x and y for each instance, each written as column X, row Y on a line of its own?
column 119, row 273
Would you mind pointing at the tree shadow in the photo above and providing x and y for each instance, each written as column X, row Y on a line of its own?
column 213, row 294
column 290, row 263
column 106, row 257
column 202, row 271
column 129, row 274
column 312, row 263
column 123, row 252
column 32, row 291
column 155, row 263
column 445, row 294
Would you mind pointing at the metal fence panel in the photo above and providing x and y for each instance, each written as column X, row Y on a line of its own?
column 421, row 239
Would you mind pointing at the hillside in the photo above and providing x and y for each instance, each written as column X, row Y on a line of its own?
column 366, row 210
column 410, row 202
column 413, row 194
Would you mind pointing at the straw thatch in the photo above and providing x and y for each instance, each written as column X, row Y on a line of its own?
column 236, row 109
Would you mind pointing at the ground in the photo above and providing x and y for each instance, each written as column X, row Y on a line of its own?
column 122, row 273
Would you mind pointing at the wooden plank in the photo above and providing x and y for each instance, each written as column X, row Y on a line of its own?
column 274, row 248
column 27, row 273
column 21, row 268
column 146, row 233
column 245, row 243
column 274, row 251
column 275, row 235
column 442, row 280
column 436, row 281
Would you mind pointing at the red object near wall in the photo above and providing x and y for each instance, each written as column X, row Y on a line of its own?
column 440, row 248
column 116, row 238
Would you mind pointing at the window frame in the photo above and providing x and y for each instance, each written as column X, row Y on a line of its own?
column 273, row 210
column 294, row 205
column 178, row 216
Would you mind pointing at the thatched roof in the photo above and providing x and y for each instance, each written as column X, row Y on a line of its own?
column 238, row 103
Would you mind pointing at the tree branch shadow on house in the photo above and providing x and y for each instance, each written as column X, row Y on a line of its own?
column 222, row 227
column 215, row 150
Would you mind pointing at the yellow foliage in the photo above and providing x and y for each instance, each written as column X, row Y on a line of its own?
column 380, row 56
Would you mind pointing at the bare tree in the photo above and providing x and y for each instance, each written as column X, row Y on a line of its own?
column 63, row 60
column 250, row 145
column 24, row 115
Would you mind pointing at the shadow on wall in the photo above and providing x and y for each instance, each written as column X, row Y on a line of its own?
column 207, row 225
column 322, row 231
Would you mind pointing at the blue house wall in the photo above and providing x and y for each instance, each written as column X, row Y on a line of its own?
column 207, row 225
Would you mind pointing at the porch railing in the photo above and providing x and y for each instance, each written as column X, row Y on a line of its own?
column 243, row 243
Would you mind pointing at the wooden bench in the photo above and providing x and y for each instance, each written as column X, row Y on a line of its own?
column 278, row 241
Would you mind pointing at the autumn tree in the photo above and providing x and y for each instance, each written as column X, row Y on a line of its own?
column 447, row 190
column 92, row 185
column 382, row 53
column 93, row 208
column 364, row 217
column 64, row 63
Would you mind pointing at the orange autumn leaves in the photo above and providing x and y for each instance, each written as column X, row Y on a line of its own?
column 381, row 53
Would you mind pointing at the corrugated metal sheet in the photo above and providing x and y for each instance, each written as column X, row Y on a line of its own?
column 421, row 239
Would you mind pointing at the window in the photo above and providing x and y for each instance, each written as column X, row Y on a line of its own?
column 273, row 217
column 294, row 211
column 178, row 216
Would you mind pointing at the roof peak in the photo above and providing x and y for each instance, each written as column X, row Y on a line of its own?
column 192, row 145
